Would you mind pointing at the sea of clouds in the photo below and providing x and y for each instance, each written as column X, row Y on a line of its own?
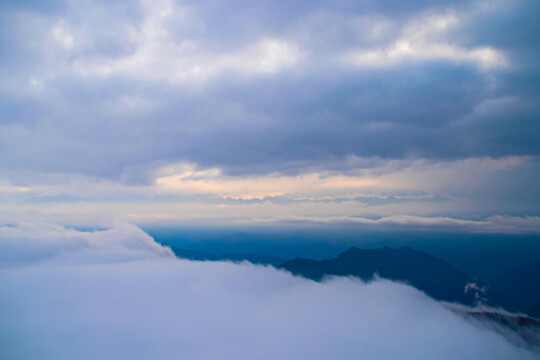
column 117, row 294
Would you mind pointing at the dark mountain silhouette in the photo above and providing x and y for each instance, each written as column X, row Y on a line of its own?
column 526, row 328
column 521, row 287
column 432, row 275
column 236, row 257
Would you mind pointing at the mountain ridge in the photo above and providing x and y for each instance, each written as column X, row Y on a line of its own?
column 424, row 271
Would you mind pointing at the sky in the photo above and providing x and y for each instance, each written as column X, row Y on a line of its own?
column 380, row 114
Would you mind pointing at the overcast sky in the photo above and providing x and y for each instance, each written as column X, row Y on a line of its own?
column 373, row 112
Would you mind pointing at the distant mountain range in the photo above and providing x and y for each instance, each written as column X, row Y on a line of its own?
column 517, row 289
column 435, row 277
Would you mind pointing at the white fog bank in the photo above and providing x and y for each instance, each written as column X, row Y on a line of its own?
column 114, row 294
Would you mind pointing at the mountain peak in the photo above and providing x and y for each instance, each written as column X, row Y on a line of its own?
column 356, row 251
column 424, row 271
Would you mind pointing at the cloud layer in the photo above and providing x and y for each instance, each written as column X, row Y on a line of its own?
column 475, row 195
column 154, row 111
column 28, row 243
column 158, row 307
column 279, row 87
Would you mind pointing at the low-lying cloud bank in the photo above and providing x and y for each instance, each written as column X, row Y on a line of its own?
column 27, row 243
column 493, row 224
column 114, row 294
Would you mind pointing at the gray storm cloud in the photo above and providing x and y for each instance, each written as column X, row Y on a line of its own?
column 93, row 87
column 68, row 298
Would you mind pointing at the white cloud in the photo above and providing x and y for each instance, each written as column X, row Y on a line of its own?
column 423, row 40
column 267, row 56
column 62, row 35
column 160, row 56
column 183, row 192
column 163, row 308
column 7, row 188
column 212, row 181
column 494, row 224
column 187, row 62
column 43, row 242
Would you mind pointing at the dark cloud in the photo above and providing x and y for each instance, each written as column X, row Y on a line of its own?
column 314, row 114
